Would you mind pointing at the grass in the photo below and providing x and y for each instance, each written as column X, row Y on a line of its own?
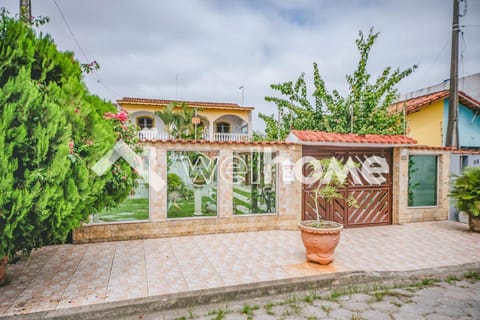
column 472, row 275
column 248, row 310
column 219, row 314
column 128, row 210
column 451, row 279
column 187, row 207
column 237, row 201
column 269, row 308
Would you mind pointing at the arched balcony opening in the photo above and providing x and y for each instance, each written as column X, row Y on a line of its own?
column 229, row 128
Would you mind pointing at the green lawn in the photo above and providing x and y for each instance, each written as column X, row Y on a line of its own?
column 186, row 209
column 129, row 210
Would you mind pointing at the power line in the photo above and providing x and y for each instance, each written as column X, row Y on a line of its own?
column 70, row 30
column 82, row 51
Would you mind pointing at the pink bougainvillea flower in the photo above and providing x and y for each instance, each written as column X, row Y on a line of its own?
column 108, row 115
column 71, row 145
column 122, row 116
column 89, row 142
column 77, row 110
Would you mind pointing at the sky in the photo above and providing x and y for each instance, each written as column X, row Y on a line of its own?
column 205, row 50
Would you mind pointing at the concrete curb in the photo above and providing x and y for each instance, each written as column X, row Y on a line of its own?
column 114, row 310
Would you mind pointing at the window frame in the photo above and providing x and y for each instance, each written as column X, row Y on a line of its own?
column 137, row 120
column 217, row 174
column 223, row 124
column 437, row 187
column 275, row 165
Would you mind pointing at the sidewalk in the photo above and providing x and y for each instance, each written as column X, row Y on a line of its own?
column 66, row 276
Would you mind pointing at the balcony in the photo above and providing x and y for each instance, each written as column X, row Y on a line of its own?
column 153, row 134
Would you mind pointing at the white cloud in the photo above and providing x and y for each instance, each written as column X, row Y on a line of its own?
column 215, row 46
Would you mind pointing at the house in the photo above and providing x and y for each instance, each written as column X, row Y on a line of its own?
column 221, row 121
column 427, row 118
column 469, row 84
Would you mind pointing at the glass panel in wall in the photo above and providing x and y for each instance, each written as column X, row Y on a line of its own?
column 135, row 207
column 191, row 184
column 254, row 183
column 422, row 180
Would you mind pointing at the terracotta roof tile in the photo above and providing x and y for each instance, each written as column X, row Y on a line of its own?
column 415, row 104
column 184, row 141
column 319, row 136
column 163, row 102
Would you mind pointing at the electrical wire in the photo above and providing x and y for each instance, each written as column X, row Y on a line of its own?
column 99, row 81
column 71, row 31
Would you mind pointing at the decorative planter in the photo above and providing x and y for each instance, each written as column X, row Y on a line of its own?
column 320, row 239
column 3, row 269
column 474, row 223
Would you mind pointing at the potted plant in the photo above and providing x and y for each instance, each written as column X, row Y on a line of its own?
column 466, row 193
column 320, row 237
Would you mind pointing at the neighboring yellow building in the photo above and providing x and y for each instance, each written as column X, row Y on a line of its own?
column 427, row 118
column 224, row 121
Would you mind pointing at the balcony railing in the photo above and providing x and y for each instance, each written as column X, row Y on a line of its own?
column 153, row 134
column 230, row 137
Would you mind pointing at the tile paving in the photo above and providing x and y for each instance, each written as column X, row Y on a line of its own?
column 65, row 276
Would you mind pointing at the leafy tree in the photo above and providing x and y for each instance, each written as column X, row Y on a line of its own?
column 177, row 118
column 363, row 110
column 52, row 133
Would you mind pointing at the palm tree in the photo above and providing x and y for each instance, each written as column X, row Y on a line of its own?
column 179, row 122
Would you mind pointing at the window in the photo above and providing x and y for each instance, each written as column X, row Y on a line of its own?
column 135, row 207
column 145, row 122
column 422, row 180
column 191, row 184
column 254, row 183
column 223, row 127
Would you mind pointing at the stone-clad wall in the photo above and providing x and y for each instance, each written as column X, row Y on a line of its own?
column 289, row 196
column 402, row 213
column 289, row 199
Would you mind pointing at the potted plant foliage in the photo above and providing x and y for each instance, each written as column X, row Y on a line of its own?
column 466, row 193
column 320, row 237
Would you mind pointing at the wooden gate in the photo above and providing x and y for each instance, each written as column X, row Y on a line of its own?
column 372, row 191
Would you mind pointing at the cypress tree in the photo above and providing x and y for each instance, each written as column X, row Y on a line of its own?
column 52, row 131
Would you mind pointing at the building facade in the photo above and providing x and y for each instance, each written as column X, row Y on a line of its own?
column 220, row 121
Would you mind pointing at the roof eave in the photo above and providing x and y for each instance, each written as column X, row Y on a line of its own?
column 350, row 144
column 156, row 104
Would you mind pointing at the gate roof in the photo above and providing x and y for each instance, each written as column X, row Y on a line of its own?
column 348, row 139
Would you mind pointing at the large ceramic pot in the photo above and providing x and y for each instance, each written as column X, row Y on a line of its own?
column 474, row 223
column 320, row 239
column 3, row 269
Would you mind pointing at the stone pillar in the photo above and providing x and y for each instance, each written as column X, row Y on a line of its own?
column 225, row 183
column 158, row 196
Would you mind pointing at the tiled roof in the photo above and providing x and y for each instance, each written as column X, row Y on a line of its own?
column 184, row 141
column 432, row 148
column 162, row 102
column 467, row 151
column 451, row 149
column 415, row 104
column 349, row 138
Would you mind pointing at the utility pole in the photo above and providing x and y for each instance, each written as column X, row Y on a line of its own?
column 25, row 11
column 451, row 139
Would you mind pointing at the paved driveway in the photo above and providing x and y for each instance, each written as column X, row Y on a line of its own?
column 74, row 275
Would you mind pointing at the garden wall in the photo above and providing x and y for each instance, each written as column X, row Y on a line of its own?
column 407, row 195
column 287, row 207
